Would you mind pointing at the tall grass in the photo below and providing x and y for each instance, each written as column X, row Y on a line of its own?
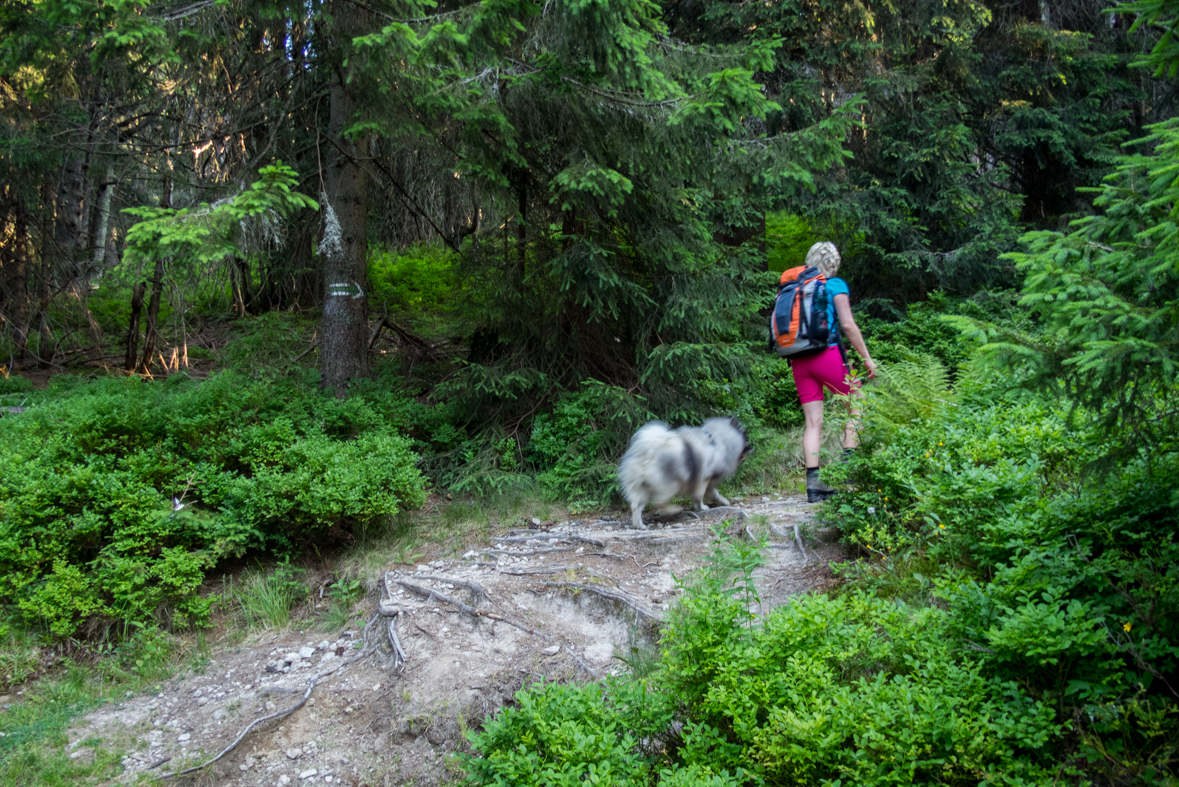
column 266, row 598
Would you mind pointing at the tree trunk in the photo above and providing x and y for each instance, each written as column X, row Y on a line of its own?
column 59, row 260
column 67, row 228
column 522, row 225
column 100, row 224
column 245, row 296
column 343, row 352
column 15, row 267
column 151, row 332
column 133, row 330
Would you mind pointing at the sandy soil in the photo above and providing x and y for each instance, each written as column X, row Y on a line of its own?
column 554, row 601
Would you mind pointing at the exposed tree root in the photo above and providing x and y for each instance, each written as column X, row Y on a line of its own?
column 606, row 593
column 474, row 587
column 427, row 593
column 797, row 540
column 311, row 683
column 545, row 570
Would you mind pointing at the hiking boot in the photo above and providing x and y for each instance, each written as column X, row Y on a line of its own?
column 816, row 490
column 818, row 494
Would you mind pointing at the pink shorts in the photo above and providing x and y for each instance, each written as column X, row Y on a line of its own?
column 813, row 372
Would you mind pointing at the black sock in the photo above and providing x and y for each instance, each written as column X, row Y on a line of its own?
column 812, row 477
column 848, row 452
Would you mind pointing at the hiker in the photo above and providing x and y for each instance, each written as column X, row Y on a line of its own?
column 828, row 368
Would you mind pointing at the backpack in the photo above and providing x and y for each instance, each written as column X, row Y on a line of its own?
column 799, row 320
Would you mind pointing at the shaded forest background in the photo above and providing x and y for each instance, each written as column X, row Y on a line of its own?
column 272, row 274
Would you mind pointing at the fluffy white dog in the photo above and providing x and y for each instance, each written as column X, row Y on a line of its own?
column 662, row 463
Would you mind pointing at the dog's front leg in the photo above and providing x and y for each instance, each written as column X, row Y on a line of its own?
column 698, row 498
column 636, row 518
column 714, row 495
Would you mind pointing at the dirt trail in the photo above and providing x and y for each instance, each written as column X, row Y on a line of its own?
column 569, row 597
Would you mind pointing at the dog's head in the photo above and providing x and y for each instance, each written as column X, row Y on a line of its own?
column 747, row 447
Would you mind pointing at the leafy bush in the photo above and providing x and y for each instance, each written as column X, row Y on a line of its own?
column 415, row 280
column 1058, row 579
column 14, row 384
column 577, row 441
column 933, row 328
column 118, row 496
column 849, row 690
column 267, row 342
column 788, row 239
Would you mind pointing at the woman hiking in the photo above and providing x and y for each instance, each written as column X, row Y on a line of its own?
column 828, row 369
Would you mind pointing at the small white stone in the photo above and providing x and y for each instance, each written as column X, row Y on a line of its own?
column 294, row 754
column 324, row 644
column 552, row 650
column 535, row 521
column 377, row 687
column 284, row 779
column 291, row 657
column 202, row 700
column 307, row 774
column 306, row 653
column 184, row 736
column 348, row 709
column 270, row 706
column 219, row 713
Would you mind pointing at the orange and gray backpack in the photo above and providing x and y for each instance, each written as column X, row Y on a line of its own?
column 799, row 320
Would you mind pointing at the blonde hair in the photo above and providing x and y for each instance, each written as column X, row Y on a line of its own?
column 824, row 256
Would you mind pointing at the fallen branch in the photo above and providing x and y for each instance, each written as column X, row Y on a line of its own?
column 396, row 643
column 648, row 535
column 602, row 523
column 301, row 355
column 605, row 593
column 676, row 539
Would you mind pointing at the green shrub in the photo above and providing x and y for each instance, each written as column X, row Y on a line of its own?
column 14, row 384
column 269, row 341
column 788, row 239
column 88, row 475
column 576, row 444
column 932, row 328
column 849, row 690
column 415, row 280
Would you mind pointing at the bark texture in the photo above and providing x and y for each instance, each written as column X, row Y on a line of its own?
column 344, row 331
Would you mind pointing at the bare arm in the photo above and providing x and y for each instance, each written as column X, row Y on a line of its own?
column 852, row 331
